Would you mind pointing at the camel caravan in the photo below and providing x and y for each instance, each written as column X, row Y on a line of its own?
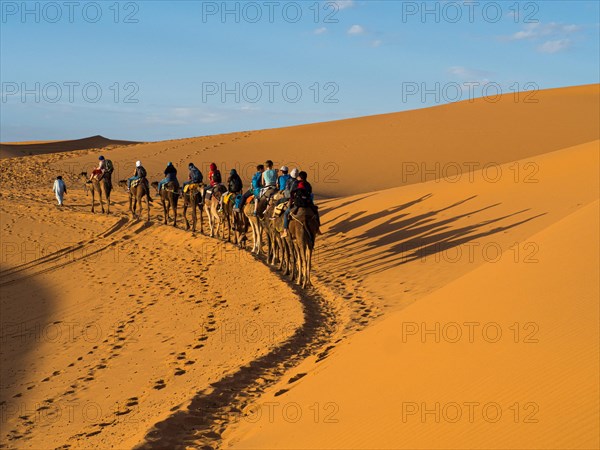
column 277, row 210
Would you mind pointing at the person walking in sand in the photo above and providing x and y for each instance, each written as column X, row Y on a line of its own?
column 59, row 189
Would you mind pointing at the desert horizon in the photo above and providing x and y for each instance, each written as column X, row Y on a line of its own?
column 327, row 277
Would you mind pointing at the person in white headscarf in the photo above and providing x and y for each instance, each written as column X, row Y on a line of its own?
column 59, row 189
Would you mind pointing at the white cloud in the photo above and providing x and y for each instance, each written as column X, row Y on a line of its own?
column 343, row 4
column 540, row 30
column 376, row 43
column 320, row 30
column 356, row 30
column 555, row 46
column 468, row 74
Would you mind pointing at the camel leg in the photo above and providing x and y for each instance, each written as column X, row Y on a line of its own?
column 187, row 223
column 300, row 260
column 211, row 224
column 174, row 206
column 307, row 265
column 165, row 210
column 148, row 205
column 134, row 207
column 93, row 199
column 201, row 214
column 193, row 216
column 100, row 194
column 108, row 204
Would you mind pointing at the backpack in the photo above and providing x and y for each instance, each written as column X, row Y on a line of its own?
column 196, row 175
column 109, row 166
column 256, row 180
column 303, row 197
column 235, row 184
column 217, row 176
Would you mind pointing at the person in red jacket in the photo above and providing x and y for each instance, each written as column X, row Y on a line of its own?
column 214, row 176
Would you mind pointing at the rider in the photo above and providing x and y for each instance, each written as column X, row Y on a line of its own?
column 195, row 175
column 254, row 189
column 170, row 175
column 301, row 197
column 283, row 178
column 269, row 176
column 269, row 186
column 289, row 185
column 234, row 182
column 140, row 174
column 214, row 176
column 107, row 166
column 234, row 187
column 99, row 172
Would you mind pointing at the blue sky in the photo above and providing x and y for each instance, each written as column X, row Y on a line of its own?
column 153, row 70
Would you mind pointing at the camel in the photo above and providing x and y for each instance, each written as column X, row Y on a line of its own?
column 256, row 225
column 270, row 231
column 280, row 251
column 101, row 186
column 231, row 221
column 136, row 194
column 169, row 196
column 211, row 207
column 303, row 230
column 193, row 197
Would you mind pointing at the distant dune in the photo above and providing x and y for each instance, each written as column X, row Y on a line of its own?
column 13, row 149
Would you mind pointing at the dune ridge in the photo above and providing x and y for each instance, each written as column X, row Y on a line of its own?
column 16, row 149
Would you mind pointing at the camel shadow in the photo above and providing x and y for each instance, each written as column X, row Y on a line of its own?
column 403, row 238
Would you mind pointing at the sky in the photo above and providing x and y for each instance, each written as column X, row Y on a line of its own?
column 154, row 70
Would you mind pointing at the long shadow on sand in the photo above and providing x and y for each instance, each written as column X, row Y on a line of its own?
column 402, row 237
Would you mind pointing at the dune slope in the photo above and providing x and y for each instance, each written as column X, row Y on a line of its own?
column 503, row 357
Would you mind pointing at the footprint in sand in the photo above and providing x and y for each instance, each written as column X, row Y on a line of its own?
column 296, row 377
column 159, row 384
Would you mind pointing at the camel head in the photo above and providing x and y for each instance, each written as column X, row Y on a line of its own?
column 154, row 184
column 123, row 184
column 83, row 175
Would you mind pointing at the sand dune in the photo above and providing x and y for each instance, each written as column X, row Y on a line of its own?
column 535, row 385
column 386, row 151
column 131, row 335
column 15, row 149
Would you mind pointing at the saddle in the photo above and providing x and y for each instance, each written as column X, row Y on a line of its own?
column 97, row 174
column 249, row 200
column 279, row 209
column 174, row 187
column 227, row 198
column 187, row 187
column 134, row 183
column 268, row 192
